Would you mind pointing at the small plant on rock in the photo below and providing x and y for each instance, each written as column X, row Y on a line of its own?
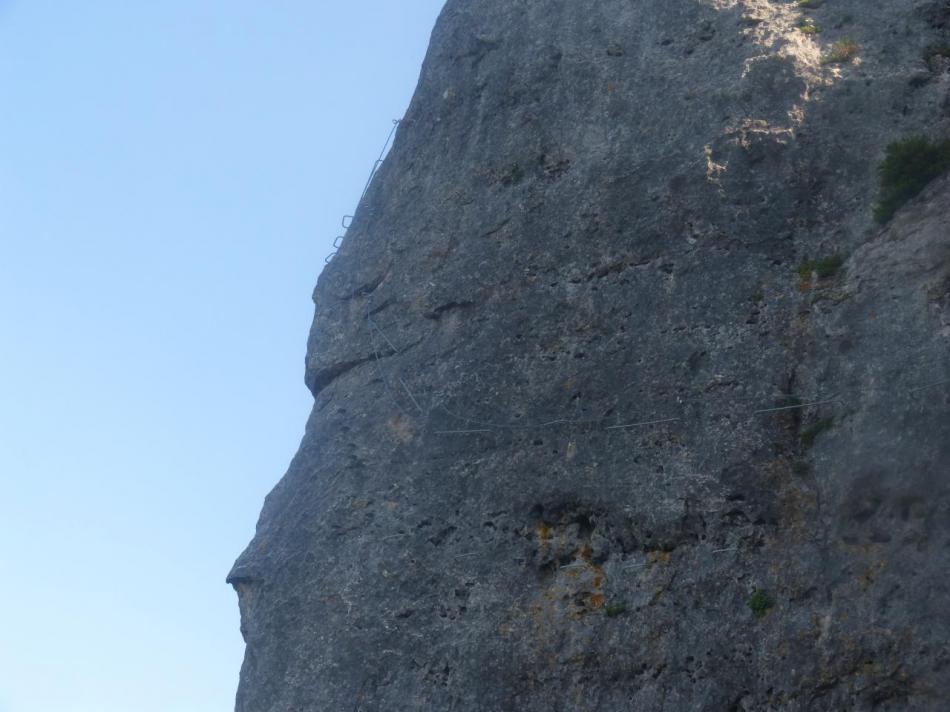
column 791, row 401
column 842, row 51
column 815, row 429
column 760, row 602
column 824, row 267
column 936, row 51
column 513, row 176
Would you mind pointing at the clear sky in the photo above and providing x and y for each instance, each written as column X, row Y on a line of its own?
column 172, row 175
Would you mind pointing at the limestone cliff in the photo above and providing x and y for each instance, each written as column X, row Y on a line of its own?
column 623, row 401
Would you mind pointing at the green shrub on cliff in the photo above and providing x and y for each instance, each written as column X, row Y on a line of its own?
column 760, row 602
column 908, row 166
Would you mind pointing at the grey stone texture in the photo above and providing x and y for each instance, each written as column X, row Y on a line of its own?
column 563, row 453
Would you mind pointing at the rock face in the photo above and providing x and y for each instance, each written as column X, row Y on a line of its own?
column 600, row 422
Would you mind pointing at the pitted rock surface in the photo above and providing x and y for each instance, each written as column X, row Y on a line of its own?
column 585, row 436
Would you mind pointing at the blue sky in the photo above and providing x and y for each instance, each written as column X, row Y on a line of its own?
column 172, row 175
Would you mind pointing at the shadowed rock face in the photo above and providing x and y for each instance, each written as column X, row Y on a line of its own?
column 561, row 455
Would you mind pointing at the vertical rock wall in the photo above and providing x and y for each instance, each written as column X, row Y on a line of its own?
column 585, row 435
